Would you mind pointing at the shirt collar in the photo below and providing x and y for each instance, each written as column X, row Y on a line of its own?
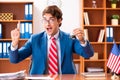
column 56, row 35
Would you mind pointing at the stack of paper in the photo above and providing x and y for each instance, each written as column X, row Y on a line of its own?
column 14, row 75
column 94, row 69
column 94, row 75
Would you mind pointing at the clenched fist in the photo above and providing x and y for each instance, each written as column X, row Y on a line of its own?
column 80, row 34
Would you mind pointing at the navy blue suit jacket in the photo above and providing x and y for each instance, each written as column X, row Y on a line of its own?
column 37, row 47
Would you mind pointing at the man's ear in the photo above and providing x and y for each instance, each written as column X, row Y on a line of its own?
column 60, row 21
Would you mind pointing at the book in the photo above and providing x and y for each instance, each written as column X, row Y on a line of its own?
column 95, row 56
column 86, row 18
column 88, row 22
column 86, row 34
column 101, row 35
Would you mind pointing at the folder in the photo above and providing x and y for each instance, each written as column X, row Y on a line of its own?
column 5, row 55
column 109, row 34
column 30, row 29
column 22, row 30
column 0, row 30
column 30, row 11
column 1, row 49
column 27, row 30
column 8, row 45
column 26, row 11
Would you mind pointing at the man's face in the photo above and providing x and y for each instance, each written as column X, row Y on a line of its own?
column 51, row 24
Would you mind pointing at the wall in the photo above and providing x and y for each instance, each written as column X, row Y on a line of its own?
column 71, row 14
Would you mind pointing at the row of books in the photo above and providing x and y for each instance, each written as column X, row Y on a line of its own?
column 86, row 18
column 25, row 30
column 100, row 36
column 28, row 11
column 4, row 49
column 109, row 34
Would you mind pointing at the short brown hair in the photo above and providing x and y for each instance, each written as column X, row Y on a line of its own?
column 54, row 11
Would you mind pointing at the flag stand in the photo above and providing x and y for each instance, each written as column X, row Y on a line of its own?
column 115, row 77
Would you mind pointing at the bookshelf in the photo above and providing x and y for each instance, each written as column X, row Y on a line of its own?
column 18, row 11
column 99, row 19
column 78, row 63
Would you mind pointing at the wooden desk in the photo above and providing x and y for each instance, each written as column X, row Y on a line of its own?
column 73, row 77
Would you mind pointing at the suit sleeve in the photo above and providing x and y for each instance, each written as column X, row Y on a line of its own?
column 85, row 51
column 20, row 54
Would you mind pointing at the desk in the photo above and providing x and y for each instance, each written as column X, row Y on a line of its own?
column 72, row 77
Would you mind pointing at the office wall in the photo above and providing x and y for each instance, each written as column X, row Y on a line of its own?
column 71, row 14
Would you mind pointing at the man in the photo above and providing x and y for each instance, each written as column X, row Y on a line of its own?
column 63, row 46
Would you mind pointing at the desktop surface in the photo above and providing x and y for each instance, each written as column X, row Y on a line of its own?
column 67, row 77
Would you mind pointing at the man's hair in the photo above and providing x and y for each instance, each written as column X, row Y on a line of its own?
column 54, row 11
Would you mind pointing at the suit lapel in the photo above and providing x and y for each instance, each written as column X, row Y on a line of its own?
column 62, row 46
column 44, row 48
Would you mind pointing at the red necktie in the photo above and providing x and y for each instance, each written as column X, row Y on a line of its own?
column 53, row 57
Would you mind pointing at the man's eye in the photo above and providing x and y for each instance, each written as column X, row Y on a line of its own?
column 52, row 19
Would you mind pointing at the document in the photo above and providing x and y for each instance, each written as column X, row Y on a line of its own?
column 13, row 75
column 42, row 77
column 94, row 75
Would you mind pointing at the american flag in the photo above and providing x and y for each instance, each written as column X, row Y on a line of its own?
column 114, row 59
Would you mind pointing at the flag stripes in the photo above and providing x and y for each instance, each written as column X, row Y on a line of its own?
column 114, row 59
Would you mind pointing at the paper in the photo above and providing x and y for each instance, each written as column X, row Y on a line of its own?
column 92, row 74
column 14, row 75
column 95, row 78
column 40, row 78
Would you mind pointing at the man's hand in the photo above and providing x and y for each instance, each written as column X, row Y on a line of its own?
column 15, row 35
column 80, row 34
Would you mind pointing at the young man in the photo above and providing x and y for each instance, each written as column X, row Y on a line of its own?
column 39, row 46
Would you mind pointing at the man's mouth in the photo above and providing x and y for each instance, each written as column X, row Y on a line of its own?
column 49, row 29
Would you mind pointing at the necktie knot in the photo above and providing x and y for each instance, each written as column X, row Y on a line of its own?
column 52, row 38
